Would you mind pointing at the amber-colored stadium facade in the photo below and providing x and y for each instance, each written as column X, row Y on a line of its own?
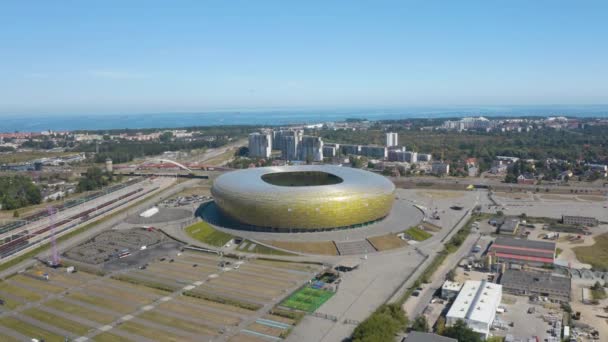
column 304, row 198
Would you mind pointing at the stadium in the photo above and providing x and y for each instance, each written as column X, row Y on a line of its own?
column 303, row 198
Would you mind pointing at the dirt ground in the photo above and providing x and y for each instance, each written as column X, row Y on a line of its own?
column 518, row 195
column 440, row 194
column 385, row 242
column 589, row 313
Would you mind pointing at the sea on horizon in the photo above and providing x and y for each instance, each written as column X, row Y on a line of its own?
column 72, row 122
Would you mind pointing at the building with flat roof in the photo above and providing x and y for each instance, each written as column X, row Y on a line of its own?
column 529, row 283
column 580, row 220
column 346, row 149
column 392, row 139
column 476, row 305
column 330, row 151
column 260, row 145
column 509, row 226
column 311, row 148
column 450, row 289
column 522, row 251
column 417, row 336
column 377, row 152
column 440, row 168
column 425, row 157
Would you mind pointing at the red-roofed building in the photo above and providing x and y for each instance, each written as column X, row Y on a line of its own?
column 521, row 251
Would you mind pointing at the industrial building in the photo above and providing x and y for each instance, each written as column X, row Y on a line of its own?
column 260, row 145
column 450, row 289
column 392, row 139
column 417, row 336
column 522, row 252
column 509, row 226
column 580, row 220
column 476, row 305
column 542, row 284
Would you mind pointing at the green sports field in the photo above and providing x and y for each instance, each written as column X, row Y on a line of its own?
column 307, row 299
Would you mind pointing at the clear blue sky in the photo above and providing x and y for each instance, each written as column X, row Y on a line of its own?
column 155, row 56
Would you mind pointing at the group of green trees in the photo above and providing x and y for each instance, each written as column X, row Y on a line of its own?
column 125, row 151
column 589, row 143
column 382, row 325
column 18, row 191
column 94, row 179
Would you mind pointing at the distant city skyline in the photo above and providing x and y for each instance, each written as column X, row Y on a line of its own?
column 191, row 56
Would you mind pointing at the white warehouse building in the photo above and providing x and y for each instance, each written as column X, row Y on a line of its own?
column 476, row 305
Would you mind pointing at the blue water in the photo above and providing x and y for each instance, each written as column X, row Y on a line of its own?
column 58, row 122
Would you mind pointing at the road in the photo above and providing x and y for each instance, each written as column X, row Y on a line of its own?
column 498, row 184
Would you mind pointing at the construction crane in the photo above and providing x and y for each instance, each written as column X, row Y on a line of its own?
column 54, row 261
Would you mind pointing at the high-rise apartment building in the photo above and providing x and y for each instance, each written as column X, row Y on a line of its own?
column 260, row 145
column 392, row 139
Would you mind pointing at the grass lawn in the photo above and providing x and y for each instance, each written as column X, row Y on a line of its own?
column 598, row 294
column 418, row 234
column 429, row 226
column 115, row 306
column 56, row 321
column 307, row 299
column 107, row 337
column 260, row 249
column 20, row 292
column 150, row 333
column 178, row 323
column 6, row 338
column 385, row 242
column 30, row 330
column 80, row 311
column 596, row 255
column 10, row 304
column 38, row 284
column 321, row 247
column 204, row 232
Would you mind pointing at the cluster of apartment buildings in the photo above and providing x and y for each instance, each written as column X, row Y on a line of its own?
column 294, row 145
column 510, row 125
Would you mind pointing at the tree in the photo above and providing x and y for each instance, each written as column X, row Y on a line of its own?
column 451, row 275
column 93, row 179
column 166, row 137
column 440, row 325
column 308, row 159
column 16, row 213
column 382, row 325
column 420, row 324
column 462, row 332
column 18, row 191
